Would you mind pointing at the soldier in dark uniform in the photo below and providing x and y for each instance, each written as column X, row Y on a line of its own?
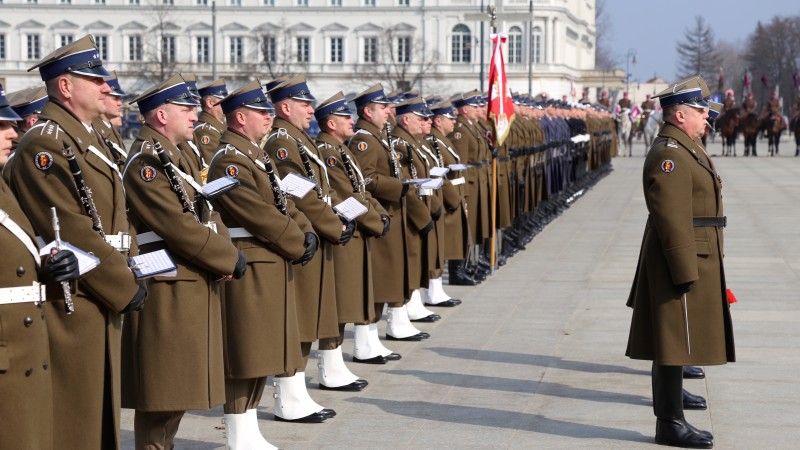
column 169, row 371
column 680, row 312
column 294, row 152
column 85, row 346
column 625, row 102
column 107, row 126
column 211, row 121
column 381, row 166
column 25, row 382
column 355, row 298
column 259, row 311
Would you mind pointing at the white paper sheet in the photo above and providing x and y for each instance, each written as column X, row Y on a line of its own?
column 220, row 185
column 296, row 186
column 152, row 264
column 415, row 180
column 434, row 183
column 456, row 167
column 86, row 261
column 457, row 181
column 350, row 208
column 439, row 171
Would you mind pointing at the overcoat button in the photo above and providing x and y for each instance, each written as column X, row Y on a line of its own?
column 28, row 372
column 20, row 271
column 45, row 365
column 28, row 321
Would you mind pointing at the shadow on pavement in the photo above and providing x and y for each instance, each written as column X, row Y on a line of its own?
column 522, row 386
column 498, row 418
column 534, row 360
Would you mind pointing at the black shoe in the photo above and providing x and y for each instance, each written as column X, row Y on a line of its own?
column 693, row 372
column 317, row 417
column 462, row 280
column 376, row 360
column 447, row 303
column 691, row 401
column 355, row 386
column 678, row 433
column 392, row 357
column 327, row 412
column 417, row 337
column 428, row 319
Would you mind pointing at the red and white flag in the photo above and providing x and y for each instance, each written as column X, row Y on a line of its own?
column 501, row 106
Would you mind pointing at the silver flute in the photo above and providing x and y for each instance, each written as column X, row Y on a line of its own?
column 69, row 307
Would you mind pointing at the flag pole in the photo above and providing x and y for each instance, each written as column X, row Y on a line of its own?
column 493, row 201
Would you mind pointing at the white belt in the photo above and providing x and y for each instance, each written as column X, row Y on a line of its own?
column 148, row 237
column 239, row 233
column 457, row 181
column 22, row 294
column 120, row 241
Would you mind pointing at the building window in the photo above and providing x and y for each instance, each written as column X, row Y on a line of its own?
column 167, row 49
column 63, row 2
column 101, row 41
column 404, row 49
column 133, row 2
column 337, row 50
column 336, row 2
column 203, row 49
column 536, row 45
column 167, row 2
column 302, row 2
column 236, row 2
column 371, row 49
column 65, row 39
column 201, row 2
column 369, row 2
column 32, row 2
column 303, row 49
column 135, row 48
column 269, row 2
column 462, row 44
column 268, row 48
column 403, row 3
column 237, row 49
column 99, row 2
column 2, row 46
column 34, row 48
column 515, row 45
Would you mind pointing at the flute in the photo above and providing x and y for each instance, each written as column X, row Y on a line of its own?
column 69, row 307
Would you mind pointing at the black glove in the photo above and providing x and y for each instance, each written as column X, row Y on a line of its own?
column 405, row 191
column 426, row 229
column 387, row 222
column 137, row 302
column 451, row 210
column 311, row 243
column 63, row 266
column 349, row 229
column 436, row 215
column 241, row 266
column 684, row 287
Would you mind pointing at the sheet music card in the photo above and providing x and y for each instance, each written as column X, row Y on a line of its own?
column 296, row 186
column 153, row 264
column 350, row 209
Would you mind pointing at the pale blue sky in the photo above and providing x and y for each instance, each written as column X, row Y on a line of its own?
column 652, row 27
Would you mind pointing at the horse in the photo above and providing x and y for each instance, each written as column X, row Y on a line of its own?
column 728, row 125
column 654, row 121
column 750, row 126
column 794, row 126
column 773, row 124
column 624, row 131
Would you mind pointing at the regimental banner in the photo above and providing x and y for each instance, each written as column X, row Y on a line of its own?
column 501, row 107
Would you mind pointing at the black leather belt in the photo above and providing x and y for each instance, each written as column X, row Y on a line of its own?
column 504, row 158
column 718, row 222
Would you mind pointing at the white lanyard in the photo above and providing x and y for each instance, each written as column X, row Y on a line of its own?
column 197, row 153
column 103, row 157
column 15, row 229
column 195, row 185
column 432, row 155
column 452, row 152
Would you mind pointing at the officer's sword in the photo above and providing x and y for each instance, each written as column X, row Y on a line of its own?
column 686, row 324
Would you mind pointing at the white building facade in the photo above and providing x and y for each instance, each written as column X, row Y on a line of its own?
column 432, row 46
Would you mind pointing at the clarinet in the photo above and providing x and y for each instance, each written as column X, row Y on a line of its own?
column 174, row 182
column 84, row 191
column 280, row 196
column 435, row 143
column 392, row 153
column 358, row 185
column 307, row 165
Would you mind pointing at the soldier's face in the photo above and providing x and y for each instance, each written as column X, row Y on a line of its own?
column 7, row 134
column 113, row 106
column 694, row 120
column 88, row 94
column 256, row 123
column 377, row 113
column 300, row 113
column 180, row 121
column 411, row 123
column 425, row 124
column 444, row 124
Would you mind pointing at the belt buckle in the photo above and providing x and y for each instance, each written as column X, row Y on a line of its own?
column 124, row 242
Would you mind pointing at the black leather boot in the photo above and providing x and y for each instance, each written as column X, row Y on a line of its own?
column 671, row 426
column 678, row 433
column 695, row 402
column 693, row 372
column 458, row 275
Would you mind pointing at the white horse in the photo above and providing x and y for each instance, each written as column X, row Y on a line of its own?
column 624, row 128
column 654, row 121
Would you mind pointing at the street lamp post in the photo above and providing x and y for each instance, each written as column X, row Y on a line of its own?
column 630, row 57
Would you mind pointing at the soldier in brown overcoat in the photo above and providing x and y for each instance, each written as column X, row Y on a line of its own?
column 355, row 299
column 27, row 104
column 211, row 121
column 680, row 312
column 107, row 125
column 84, row 346
column 294, row 152
column 173, row 347
column 259, row 313
column 25, row 383
column 382, row 172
